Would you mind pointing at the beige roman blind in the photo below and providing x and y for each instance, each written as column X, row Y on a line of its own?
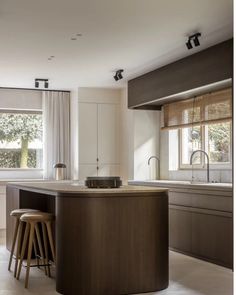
column 214, row 107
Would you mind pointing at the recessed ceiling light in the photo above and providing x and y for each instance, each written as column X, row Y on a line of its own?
column 73, row 39
column 79, row 35
column 52, row 56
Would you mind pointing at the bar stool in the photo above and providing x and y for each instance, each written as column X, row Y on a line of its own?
column 17, row 233
column 32, row 220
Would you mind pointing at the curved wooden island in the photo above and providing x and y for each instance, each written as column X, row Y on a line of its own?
column 108, row 241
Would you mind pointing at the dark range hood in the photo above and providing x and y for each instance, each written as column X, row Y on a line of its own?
column 202, row 72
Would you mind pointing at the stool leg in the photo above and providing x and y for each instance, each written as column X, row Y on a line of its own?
column 46, row 247
column 13, row 243
column 35, row 251
column 23, row 249
column 31, row 237
column 40, row 246
column 48, row 225
column 18, row 246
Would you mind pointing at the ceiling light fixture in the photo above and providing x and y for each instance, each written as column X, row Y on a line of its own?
column 118, row 76
column 38, row 80
column 195, row 39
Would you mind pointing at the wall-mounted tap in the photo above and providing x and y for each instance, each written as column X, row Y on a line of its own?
column 158, row 160
column 208, row 161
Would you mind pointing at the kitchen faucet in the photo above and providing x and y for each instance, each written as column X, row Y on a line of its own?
column 158, row 160
column 201, row 151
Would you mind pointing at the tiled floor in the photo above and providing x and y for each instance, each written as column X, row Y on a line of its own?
column 188, row 276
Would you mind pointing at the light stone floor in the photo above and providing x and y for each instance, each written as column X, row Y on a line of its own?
column 188, row 276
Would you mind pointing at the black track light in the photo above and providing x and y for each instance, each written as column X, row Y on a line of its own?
column 118, row 76
column 37, row 81
column 189, row 44
column 195, row 39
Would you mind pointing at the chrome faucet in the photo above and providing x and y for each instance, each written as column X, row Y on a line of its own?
column 158, row 160
column 208, row 166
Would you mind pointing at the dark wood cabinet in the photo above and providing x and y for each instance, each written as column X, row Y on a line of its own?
column 180, row 229
column 212, row 238
column 202, row 232
column 184, row 78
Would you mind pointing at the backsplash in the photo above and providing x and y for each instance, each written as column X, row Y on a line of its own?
column 200, row 175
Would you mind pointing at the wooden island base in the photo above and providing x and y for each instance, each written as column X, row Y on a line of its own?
column 108, row 242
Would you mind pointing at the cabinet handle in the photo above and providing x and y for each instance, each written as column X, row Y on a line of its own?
column 97, row 159
column 97, row 167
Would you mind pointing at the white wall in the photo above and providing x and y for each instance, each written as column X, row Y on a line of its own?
column 146, row 143
column 139, row 140
column 127, row 139
column 74, row 129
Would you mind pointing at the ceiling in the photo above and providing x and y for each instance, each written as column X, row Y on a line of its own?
column 136, row 35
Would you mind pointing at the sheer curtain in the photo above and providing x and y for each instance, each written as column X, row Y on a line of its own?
column 56, row 127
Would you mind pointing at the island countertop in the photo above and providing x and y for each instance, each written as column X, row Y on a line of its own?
column 73, row 188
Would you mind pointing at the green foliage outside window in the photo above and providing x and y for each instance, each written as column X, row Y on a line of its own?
column 19, row 129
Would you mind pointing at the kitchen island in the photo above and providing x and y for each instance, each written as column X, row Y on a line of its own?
column 108, row 241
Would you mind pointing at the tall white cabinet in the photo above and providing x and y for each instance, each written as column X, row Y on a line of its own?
column 98, row 139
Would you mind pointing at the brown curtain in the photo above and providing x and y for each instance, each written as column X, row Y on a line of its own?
column 214, row 107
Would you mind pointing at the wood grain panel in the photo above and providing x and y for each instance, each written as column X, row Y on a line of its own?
column 121, row 245
column 208, row 66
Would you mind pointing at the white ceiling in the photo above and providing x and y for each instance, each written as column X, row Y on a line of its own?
column 136, row 35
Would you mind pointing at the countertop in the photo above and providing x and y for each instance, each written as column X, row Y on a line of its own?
column 183, row 184
column 57, row 188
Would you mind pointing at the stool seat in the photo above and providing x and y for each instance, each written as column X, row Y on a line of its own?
column 37, row 217
column 19, row 212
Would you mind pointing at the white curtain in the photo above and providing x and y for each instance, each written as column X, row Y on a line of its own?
column 56, row 125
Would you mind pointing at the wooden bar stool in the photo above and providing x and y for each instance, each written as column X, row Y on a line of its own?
column 17, row 235
column 32, row 220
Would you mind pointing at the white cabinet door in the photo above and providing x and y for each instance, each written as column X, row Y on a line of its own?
column 87, row 170
column 109, row 170
column 88, row 133
column 108, row 134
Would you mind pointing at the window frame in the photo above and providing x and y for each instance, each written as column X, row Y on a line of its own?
column 202, row 166
column 21, row 111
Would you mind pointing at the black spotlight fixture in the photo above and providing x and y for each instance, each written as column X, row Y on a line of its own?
column 36, row 84
column 37, row 81
column 118, row 76
column 195, row 39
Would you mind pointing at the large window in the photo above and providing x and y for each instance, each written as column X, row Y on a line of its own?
column 21, row 139
column 204, row 123
column 215, row 139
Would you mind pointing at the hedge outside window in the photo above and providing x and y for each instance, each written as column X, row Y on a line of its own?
column 21, row 139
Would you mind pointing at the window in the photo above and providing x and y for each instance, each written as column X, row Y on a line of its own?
column 204, row 122
column 21, row 139
column 215, row 139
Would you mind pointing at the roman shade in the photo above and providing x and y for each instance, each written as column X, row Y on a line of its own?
column 214, row 107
